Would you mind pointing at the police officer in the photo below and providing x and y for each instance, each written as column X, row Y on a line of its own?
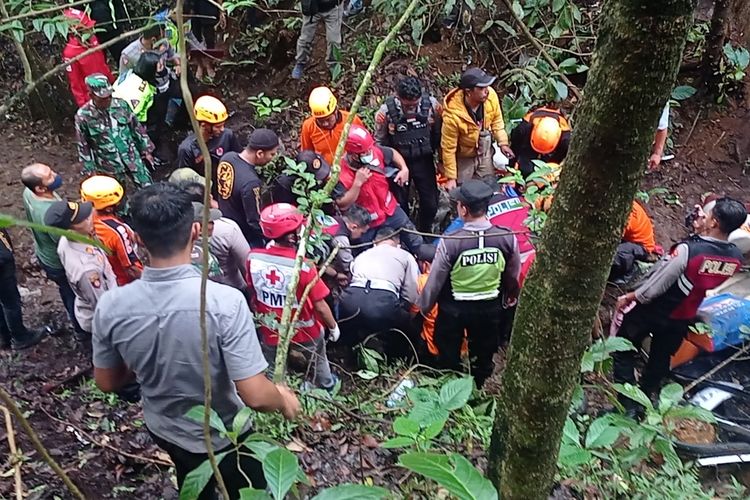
column 410, row 123
column 237, row 186
column 543, row 134
column 86, row 266
column 471, row 280
column 666, row 302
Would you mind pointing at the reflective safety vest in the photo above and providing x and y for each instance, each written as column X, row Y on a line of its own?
column 477, row 272
column 137, row 92
column 375, row 195
column 411, row 135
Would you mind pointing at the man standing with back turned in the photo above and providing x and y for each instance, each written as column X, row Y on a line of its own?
column 150, row 330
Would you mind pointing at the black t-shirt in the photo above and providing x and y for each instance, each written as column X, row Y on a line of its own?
column 238, row 194
column 189, row 154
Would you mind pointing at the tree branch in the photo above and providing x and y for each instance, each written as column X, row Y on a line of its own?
column 15, row 460
column 531, row 38
column 42, row 12
column 187, row 98
column 286, row 327
column 28, row 74
column 31, row 86
column 11, row 405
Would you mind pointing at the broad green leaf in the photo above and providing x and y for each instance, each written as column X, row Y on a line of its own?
column 507, row 27
column 432, row 430
column 601, row 433
column 683, row 92
column 422, row 395
column 692, row 412
column 426, row 414
column 398, row 442
column 198, row 478
column 7, row 221
column 49, row 31
column 570, row 432
column 456, row 393
column 557, row 5
column 260, row 449
column 670, row 395
column 634, row 393
column 518, row 9
column 196, row 413
column 404, row 426
column 666, row 449
column 240, row 420
column 353, row 492
column 572, row 456
column 561, row 89
column 455, row 473
column 487, row 25
column 587, row 362
column 366, row 374
column 251, row 494
column 281, row 469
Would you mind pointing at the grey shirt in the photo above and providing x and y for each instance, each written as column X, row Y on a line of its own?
column 388, row 263
column 152, row 326
column 130, row 54
column 230, row 248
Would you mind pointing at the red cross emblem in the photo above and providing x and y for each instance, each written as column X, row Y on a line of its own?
column 274, row 278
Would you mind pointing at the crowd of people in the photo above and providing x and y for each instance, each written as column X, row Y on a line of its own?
column 129, row 273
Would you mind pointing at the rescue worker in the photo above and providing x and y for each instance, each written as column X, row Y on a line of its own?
column 321, row 132
column 41, row 184
column 227, row 243
column 284, row 187
column 331, row 13
column 83, row 27
column 638, row 244
column 110, row 17
column 269, row 273
column 362, row 180
column 238, row 185
column 153, row 39
column 667, row 300
column 196, row 255
column 110, row 139
column 106, row 194
column 13, row 332
column 472, row 280
column 86, row 265
column 660, row 139
column 543, row 134
column 472, row 117
column 410, row 123
column 211, row 115
column 352, row 224
column 379, row 297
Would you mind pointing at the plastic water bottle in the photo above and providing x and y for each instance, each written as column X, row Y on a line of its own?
column 399, row 393
column 499, row 160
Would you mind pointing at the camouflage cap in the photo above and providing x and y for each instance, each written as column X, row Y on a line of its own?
column 99, row 85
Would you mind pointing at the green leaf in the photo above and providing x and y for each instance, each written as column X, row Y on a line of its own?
column 198, row 478
column 196, row 413
column 572, row 456
column 507, row 27
column 435, row 428
column 670, row 395
column 7, row 221
column 571, row 433
column 427, row 414
column 281, row 469
column 601, row 433
column 557, row 5
column 683, row 92
column 487, row 26
column 398, row 442
column 260, row 449
column 456, row 393
column 366, row 374
column 454, row 473
column 353, row 492
column 561, row 89
column 691, row 412
column 587, row 362
column 240, row 420
column 251, row 494
column 405, row 426
column 49, row 31
column 518, row 9
column 634, row 393
column 666, row 449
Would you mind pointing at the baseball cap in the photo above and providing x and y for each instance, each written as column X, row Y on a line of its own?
column 99, row 85
column 475, row 77
column 262, row 139
column 213, row 213
column 64, row 214
column 472, row 191
column 315, row 164
column 186, row 174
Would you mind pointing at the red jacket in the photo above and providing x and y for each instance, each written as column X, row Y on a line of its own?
column 375, row 195
column 79, row 70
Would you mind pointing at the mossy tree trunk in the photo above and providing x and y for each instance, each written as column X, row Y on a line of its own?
column 638, row 54
column 717, row 35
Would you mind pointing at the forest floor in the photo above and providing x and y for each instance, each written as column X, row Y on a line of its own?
column 102, row 442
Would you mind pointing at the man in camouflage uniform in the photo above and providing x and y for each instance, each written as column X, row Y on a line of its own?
column 110, row 139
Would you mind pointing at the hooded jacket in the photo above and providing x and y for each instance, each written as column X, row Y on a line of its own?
column 460, row 133
column 79, row 70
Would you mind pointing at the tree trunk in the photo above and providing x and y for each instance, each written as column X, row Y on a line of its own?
column 638, row 53
column 741, row 16
column 715, row 39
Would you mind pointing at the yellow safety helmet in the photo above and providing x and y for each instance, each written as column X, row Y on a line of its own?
column 322, row 102
column 211, row 110
column 101, row 190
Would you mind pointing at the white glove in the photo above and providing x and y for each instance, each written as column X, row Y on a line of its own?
column 334, row 333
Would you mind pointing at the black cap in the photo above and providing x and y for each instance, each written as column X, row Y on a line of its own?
column 262, row 139
column 64, row 214
column 315, row 164
column 475, row 77
column 472, row 191
column 214, row 214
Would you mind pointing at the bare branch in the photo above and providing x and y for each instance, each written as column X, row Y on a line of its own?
column 42, row 12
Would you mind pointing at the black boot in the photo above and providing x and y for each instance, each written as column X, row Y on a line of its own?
column 31, row 339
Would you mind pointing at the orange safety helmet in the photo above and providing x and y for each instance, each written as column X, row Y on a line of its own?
column 545, row 135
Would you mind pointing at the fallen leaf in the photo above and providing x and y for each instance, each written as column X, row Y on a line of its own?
column 370, row 441
column 297, row 446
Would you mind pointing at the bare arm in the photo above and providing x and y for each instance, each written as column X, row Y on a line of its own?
column 261, row 394
column 324, row 313
column 112, row 379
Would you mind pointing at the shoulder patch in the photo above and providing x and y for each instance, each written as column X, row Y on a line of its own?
column 95, row 280
column 225, row 179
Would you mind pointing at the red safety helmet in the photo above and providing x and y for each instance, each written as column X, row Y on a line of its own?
column 359, row 141
column 82, row 17
column 279, row 219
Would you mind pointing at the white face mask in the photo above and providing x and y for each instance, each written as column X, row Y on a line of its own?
column 367, row 159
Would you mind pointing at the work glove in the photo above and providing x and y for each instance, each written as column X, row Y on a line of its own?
column 334, row 333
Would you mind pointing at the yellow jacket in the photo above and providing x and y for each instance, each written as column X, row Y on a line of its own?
column 460, row 133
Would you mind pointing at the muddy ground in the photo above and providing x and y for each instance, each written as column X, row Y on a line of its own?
column 102, row 442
